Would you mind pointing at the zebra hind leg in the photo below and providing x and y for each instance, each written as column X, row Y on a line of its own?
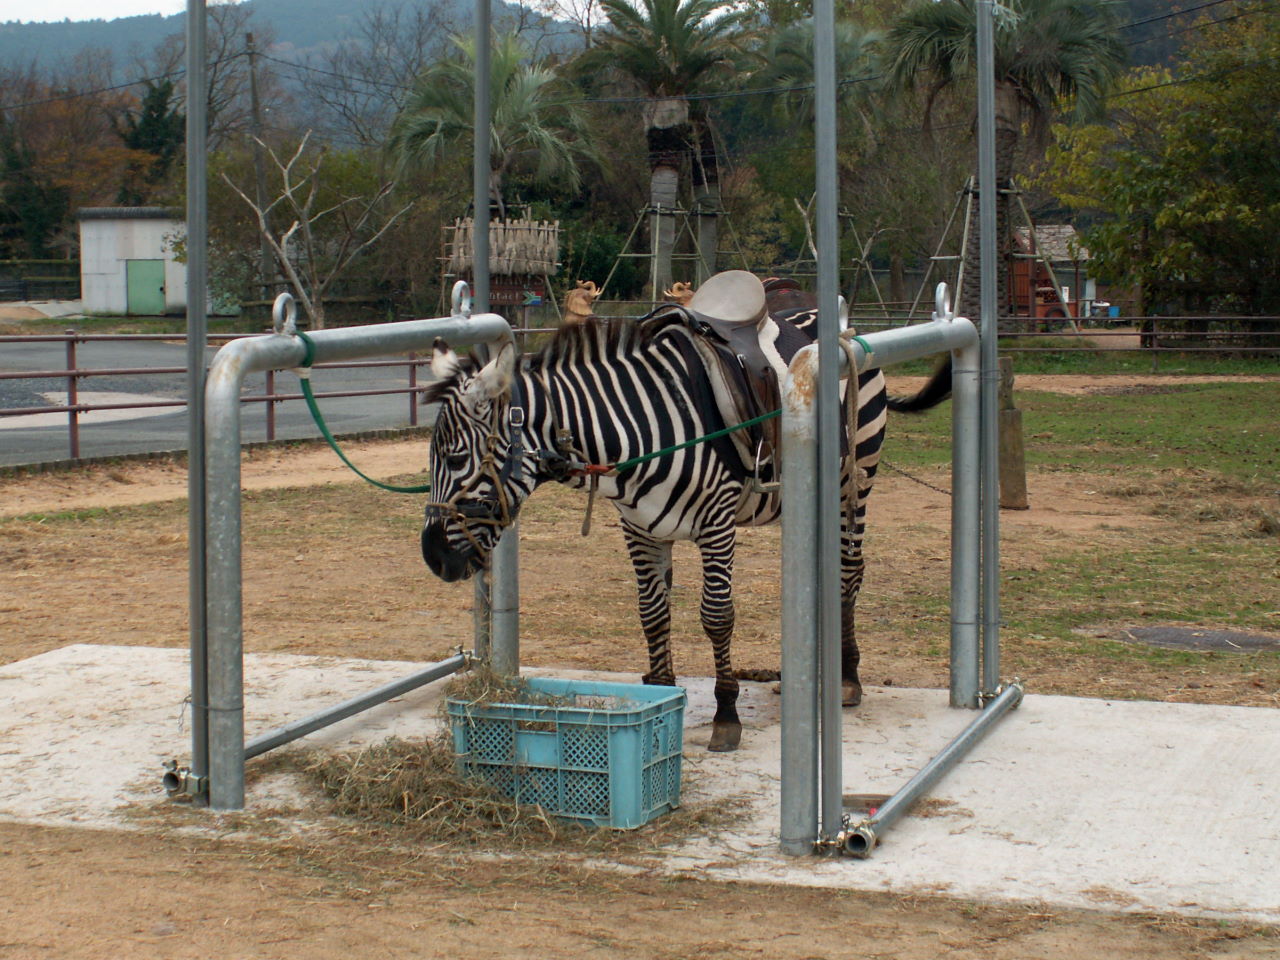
column 717, row 621
column 851, row 569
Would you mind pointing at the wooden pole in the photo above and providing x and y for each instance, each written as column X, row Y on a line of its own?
column 1013, row 459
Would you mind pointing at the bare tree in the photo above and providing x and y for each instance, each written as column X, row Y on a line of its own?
column 229, row 106
column 328, row 230
column 355, row 91
column 585, row 16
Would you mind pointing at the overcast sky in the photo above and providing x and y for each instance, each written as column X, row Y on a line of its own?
column 85, row 9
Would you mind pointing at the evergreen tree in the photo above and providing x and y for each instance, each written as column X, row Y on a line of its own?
column 157, row 131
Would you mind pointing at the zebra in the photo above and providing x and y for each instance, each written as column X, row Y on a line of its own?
column 600, row 393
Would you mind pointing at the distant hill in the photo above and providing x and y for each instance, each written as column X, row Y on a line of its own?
column 300, row 27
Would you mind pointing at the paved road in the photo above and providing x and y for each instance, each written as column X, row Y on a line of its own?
column 36, row 438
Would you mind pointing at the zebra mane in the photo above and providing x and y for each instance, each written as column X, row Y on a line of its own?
column 592, row 338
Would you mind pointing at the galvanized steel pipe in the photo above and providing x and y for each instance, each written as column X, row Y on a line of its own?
column 349, row 708
column 224, row 641
column 197, row 332
column 807, row 773
column 861, row 838
column 989, row 327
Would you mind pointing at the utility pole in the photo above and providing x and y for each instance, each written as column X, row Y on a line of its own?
column 265, row 262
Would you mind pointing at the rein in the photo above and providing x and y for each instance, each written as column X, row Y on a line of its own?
column 304, row 379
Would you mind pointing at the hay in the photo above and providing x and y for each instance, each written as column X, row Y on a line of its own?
column 414, row 783
column 414, row 786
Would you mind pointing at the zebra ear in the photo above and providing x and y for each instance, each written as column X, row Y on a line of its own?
column 444, row 362
column 494, row 379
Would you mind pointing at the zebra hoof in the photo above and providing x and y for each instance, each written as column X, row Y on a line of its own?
column 850, row 693
column 725, row 737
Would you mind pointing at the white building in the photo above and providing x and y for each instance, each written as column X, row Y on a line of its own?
column 127, row 263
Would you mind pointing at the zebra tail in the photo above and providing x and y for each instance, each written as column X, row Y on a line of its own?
column 930, row 395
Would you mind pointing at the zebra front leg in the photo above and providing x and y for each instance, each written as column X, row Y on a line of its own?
column 652, row 562
column 717, row 621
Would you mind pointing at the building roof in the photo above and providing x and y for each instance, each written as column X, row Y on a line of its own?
column 128, row 213
column 1054, row 241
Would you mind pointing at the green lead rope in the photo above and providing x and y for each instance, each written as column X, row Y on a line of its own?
column 304, row 378
column 635, row 461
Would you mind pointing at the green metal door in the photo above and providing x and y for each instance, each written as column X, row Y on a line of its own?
column 145, row 280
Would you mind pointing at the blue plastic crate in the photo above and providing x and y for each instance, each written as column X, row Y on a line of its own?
column 616, row 765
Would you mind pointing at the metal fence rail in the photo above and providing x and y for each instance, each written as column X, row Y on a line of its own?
column 1147, row 336
column 73, row 373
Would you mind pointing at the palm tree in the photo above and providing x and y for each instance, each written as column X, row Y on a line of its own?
column 670, row 50
column 786, row 60
column 535, row 121
column 1048, row 54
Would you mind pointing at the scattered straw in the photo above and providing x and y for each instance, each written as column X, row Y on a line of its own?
column 414, row 783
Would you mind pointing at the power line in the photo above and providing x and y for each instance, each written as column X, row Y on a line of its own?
column 117, row 86
column 1215, row 75
column 1263, row 8
column 1175, row 13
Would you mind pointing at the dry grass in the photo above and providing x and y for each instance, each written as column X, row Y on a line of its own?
column 415, row 785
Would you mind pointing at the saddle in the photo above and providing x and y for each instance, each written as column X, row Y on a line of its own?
column 728, row 313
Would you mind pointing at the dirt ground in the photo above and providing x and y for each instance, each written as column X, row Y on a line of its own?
column 119, row 577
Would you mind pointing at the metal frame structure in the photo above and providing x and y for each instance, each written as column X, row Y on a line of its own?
column 216, row 773
column 812, row 815
column 219, row 750
column 811, row 709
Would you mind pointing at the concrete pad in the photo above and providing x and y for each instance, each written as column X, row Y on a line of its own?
column 1073, row 802
column 40, row 309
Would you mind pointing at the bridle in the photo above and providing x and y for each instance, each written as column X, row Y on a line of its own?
column 559, row 463
column 492, row 511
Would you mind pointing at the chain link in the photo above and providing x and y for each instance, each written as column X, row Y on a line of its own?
column 923, row 483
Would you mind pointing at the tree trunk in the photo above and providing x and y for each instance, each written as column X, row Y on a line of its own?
column 897, row 280
column 706, row 200
column 667, row 127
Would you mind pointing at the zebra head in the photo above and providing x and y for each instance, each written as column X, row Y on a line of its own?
column 479, row 477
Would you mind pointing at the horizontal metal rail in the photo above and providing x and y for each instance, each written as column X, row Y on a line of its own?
column 74, row 375
column 86, row 372
column 250, row 398
column 861, row 837
column 349, row 708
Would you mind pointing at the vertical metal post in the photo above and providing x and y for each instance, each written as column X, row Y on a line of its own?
column 480, row 162
column 413, row 389
column 73, row 398
column 197, row 333
column 271, row 405
column 225, row 607
column 480, row 261
column 800, row 698
column 828, row 403
column 989, row 330
column 498, row 594
column 965, row 525
column 504, row 604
